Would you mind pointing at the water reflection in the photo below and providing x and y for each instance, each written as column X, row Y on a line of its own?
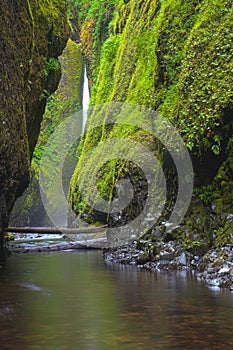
column 174, row 309
column 76, row 301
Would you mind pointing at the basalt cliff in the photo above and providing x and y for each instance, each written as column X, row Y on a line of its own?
column 32, row 36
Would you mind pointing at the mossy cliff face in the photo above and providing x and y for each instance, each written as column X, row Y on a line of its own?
column 92, row 25
column 28, row 209
column 32, row 36
column 68, row 97
column 174, row 57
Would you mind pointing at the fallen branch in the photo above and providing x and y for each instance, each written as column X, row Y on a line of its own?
column 53, row 248
column 56, row 230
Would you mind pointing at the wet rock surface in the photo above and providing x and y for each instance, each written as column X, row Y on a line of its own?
column 31, row 37
column 215, row 267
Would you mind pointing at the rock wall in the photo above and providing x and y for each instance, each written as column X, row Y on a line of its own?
column 174, row 57
column 67, row 99
column 32, row 35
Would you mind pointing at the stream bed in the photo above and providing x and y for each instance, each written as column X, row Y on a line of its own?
column 75, row 300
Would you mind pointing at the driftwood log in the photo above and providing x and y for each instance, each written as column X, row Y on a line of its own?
column 56, row 230
column 54, row 248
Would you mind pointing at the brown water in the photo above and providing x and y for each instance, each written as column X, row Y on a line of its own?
column 73, row 300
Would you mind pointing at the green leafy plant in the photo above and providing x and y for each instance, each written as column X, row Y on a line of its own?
column 189, row 244
column 216, row 148
column 205, row 193
column 53, row 64
column 223, row 236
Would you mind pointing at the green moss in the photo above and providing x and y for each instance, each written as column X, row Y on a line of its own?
column 28, row 39
column 53, row 64
column 68, row 97
column 103, row 86
column 174, row 57
column 223, row 184
column 51, row 8
column 224, row 235
column 204, row 90
column 94, row 25
column 62, row 104
column 8, row 236
column 29, row 206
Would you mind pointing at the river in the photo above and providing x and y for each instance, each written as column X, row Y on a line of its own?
column 74, row 300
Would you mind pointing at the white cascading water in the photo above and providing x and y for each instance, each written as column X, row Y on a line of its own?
column 86, row 99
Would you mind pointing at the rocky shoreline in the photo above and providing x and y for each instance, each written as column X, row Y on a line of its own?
column 215, row 267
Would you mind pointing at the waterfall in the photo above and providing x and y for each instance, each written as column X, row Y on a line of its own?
column 86, row 99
